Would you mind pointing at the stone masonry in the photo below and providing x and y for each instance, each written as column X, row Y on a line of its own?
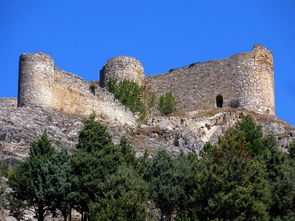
column 44, row 85
column 244, row 80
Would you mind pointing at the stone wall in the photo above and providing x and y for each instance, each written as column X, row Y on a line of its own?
column 244, row 80
column 122, row 67
column 43, row 84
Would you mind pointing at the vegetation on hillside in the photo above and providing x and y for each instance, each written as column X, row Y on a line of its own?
column 245, row 176
column 138, row 100
column 130, row 94
column 167, row 103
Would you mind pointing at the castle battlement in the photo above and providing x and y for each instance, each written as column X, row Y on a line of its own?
column 244, row 80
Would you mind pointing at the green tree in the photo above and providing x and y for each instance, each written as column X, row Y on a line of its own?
column 93, row 136
column 124, row 198
column 167, row 103
column 232, row 187
column 291, row 149
column 229, row 181
column 164, row 183
column 280, row 169
column 127, row 152
column 29, row 180
column 95, row 159
column 130, row 94
column 60, row 191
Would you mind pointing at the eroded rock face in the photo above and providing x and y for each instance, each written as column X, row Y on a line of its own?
column 19, row 126
column 186, row 132
column 189, row 131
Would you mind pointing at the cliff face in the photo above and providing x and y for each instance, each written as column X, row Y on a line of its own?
column 186, row 131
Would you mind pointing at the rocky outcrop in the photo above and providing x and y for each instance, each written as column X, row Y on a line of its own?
column 19, row 126
column 186, row 131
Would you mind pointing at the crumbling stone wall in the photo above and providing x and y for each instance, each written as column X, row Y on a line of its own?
column 122, row 67
column 244, row 80
column 43, row 84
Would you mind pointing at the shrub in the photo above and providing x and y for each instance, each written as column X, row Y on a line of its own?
column 129, row 94
column 93, row 87
column 152, row 100
column 167, row 103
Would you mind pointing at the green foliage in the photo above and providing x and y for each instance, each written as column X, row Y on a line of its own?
column 280, row 169
column 124, row 198
column 93, row 136
column 41, row 148
column 60, row 184
column 90, row 170
column 167, row 103
column 247, row 136
column 96, row 175
column 229, row 179
column 3, row 169
column 30, row 180
column 291, row 149
column 129, row 94
column 152, row 100
column 17, row 207
column 164, row 180
column 127, row 152
column 93, row 86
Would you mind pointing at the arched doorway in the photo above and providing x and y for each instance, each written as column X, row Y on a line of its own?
column 219, row 101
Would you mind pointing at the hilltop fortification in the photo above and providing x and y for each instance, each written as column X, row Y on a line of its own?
column 244, row 81
column 42, row 84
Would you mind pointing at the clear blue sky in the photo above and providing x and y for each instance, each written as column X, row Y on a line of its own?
column 81, row 35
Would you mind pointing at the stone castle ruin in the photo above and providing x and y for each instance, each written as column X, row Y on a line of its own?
column 244, row 80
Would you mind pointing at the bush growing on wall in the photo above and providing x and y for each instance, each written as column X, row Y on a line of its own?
column 167, row 103
column 129, row 94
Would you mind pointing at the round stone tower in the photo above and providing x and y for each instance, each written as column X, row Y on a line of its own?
column 120, row 68
column 254, row 80
column 36, row 73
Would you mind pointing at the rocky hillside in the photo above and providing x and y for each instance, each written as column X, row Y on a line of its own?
column 183, row 131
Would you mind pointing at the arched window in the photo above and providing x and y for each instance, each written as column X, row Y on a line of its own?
column 219, row 101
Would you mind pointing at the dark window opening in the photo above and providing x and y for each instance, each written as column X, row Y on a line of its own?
column 219, row 101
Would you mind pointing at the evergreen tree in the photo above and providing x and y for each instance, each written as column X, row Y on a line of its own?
column 124, row 197
column 164, row 183
column 93, row 136
column 30, row 179
column 94, row 160
column 167, row 103
column 229, row 181
column 127, row 151
column 61, row 192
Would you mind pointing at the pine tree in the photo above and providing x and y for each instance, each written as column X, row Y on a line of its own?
column 93, row 136
column 30, row 179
